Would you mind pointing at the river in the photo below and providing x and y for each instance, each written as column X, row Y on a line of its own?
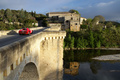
column 79, row 65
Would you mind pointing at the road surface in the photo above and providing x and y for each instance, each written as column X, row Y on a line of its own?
column 8, row 39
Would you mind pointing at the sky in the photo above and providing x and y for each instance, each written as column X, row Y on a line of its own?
column 110, row 9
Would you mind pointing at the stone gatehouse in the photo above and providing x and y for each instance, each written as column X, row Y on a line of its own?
column 68, row 20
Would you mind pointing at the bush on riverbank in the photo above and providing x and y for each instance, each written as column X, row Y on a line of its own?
column 109, row 37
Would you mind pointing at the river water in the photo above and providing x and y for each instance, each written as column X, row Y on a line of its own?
column 79, row 65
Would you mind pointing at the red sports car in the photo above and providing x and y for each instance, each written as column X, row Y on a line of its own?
column 25, row 31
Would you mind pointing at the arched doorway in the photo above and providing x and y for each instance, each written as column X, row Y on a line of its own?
column 29, row 72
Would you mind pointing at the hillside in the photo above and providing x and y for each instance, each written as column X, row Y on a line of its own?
column 15, row 19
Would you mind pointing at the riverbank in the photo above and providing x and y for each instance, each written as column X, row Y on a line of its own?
column 101, row 58
column 108, row 57
column 91, row 48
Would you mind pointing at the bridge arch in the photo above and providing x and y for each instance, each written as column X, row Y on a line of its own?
column 29, row 72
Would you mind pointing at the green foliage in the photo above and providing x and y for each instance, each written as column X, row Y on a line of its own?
column 109, row 24
column 29, row 21
column 99, row 18
column 19, row 18
column 91, row 39
column 98, row 44
column 98, row 27
column 2, row 26
column 95, row 35
column 8, row 14
column 84, row 27
column 72, row 42
column 74, row 11
column 45, row 23
column 82, row 43
column 69, row 40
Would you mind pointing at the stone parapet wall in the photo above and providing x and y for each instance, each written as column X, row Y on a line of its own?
column 53, row 28
column 8, row 32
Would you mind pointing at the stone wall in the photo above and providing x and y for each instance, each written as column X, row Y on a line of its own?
column 44, row 49
column 71, row 20
column 74, row 26
column 55, row 25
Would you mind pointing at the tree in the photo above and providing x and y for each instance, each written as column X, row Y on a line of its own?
column 1, row 15
column 2, row 26
column 91, row 38
column 21, row 15
column 84, row 27
column 67, row 40
column 97, row 19
column 98, row 44
column 45, row 23
column 86, row 23
column 28, row 16
column 98, row 27
column 8, row 14
column 89, row 20
column 100, row 18
column 72, row 42
column 109, row 24
column 14, row 18
column 82, row 43
column 74, row 11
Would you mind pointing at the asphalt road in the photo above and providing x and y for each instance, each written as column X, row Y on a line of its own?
column 8, row 39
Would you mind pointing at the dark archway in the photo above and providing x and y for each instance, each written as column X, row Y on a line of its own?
column 29, row 72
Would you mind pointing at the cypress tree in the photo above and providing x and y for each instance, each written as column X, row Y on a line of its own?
column 91, row 39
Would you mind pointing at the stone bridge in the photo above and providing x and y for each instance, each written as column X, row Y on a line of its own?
column 42, row 51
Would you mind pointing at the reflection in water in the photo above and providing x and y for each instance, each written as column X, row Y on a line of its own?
column 78, row 65
column 95, row 66
column 73, row 68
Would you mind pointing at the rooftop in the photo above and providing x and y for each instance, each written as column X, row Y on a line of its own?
column 58, row 12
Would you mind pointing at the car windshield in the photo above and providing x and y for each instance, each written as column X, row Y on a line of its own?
column 24, row 28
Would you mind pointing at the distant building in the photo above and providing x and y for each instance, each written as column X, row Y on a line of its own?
column 66, row 19
column 82, row 19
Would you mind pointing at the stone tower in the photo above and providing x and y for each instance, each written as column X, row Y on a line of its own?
column 68, row 20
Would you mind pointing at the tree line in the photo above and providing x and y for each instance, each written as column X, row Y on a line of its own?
column 94, row 33
column 16, row 19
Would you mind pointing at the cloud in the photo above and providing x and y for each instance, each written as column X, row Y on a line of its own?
column 32, row 5
column 87, row 8
column 78, row 8
column 65, row 8
column 13, row 4
column 105, row 4
column 109, row 10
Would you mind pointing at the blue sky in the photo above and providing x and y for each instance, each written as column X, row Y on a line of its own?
column 110, row 9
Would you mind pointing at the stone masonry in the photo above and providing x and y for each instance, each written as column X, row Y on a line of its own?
column 44, row 50
column 68, row 20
